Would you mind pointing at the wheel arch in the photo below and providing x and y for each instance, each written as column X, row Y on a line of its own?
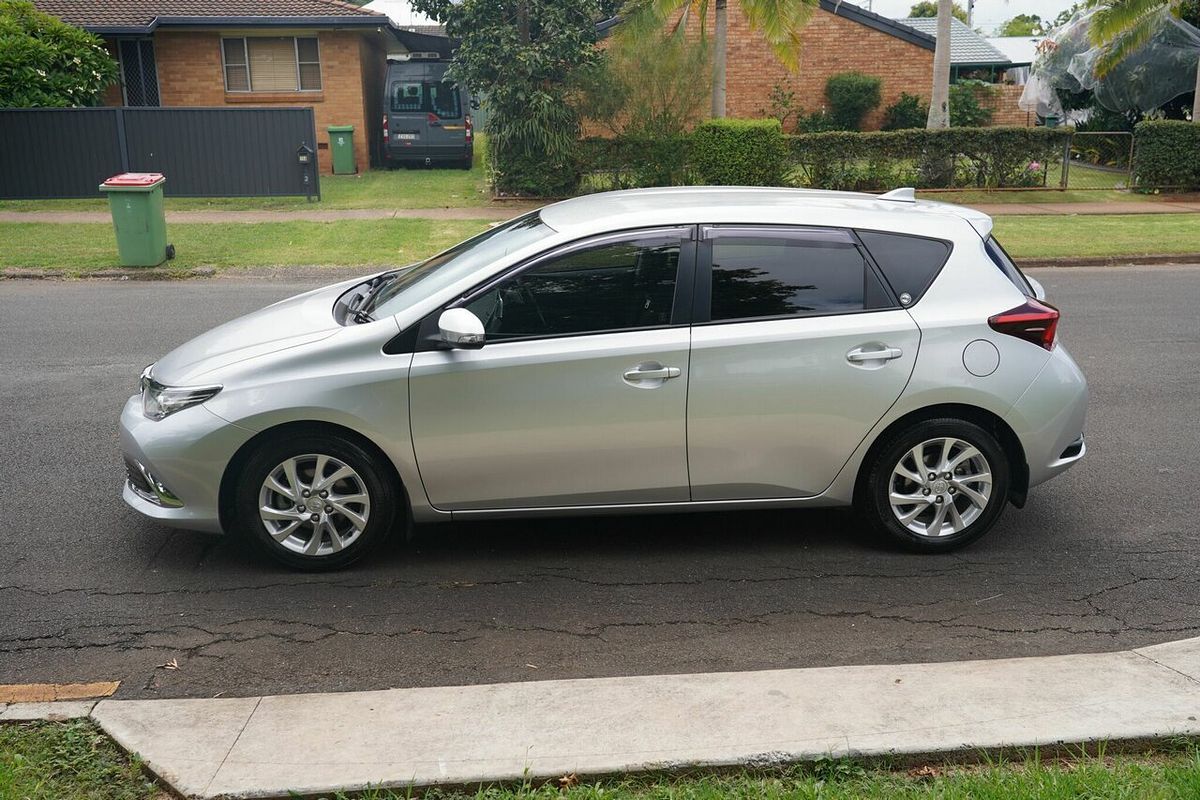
column 989, row 421
column 233, row 469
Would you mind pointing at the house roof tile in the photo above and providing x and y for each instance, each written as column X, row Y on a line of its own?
column 966, row 46
column 145, row 15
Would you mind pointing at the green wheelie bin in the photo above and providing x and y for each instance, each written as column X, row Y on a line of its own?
column 136, row 202
column 341, row 142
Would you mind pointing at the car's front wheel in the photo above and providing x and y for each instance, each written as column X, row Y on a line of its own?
column 936, row 486
column 315, row 501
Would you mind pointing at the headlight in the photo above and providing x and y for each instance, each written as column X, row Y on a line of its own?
column 160, row 401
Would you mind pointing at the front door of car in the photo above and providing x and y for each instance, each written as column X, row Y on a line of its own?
column 798, row 349
column 579, row 394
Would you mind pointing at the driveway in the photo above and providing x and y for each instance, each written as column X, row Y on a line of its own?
column 1102, row 558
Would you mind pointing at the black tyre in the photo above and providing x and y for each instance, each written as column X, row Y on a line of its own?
column 935, row 486
column 315, row 501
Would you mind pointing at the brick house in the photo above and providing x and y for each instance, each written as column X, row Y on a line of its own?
column 326, row 54
column 839, row 37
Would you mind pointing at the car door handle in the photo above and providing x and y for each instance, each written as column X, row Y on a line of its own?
column 651, row 374
column 860, row 354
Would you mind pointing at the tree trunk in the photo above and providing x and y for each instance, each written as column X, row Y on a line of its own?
column 1196, row 97
column 939, row 97
column 718, row 88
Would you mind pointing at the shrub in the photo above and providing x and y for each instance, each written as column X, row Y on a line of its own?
column 1166, row 153
column 738, row 152
column 46, row 62
column 932, row 159
column 816, row 122
column 851, row 96
column 907, row 112
column 635, row 161
column 965, row 109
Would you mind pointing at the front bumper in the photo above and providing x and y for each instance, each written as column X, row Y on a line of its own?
column 181, row 460
column 1049, row 418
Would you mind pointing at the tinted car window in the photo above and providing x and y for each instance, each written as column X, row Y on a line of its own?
column 909, row 263
column 407, row 96
column 618, row 286
column 756, row 277
column 1005, row 264
column 440, row 98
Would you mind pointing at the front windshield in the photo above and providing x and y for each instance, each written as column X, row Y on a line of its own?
column 446, row 268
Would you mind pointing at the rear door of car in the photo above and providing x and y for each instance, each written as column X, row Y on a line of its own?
column 445, row 110
column 798, row 349
column 408, row 123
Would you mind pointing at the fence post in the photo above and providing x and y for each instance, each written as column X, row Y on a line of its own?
column 1066, row 162
column 122, row 147
column 1129, row 168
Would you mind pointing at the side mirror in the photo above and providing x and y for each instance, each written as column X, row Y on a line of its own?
column 1039, row 291
column 461, row 329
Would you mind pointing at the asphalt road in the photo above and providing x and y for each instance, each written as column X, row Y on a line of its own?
column 1104, row 557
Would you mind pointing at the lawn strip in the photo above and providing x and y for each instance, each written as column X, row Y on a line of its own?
column 89, row 247
column 1102, row 236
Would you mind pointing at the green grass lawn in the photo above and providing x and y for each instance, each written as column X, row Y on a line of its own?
column 74, row 761
column 79, row 248
column 1108, row 235
column 68, row 761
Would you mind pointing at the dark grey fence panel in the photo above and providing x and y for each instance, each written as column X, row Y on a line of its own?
column 204, row 152
column 60, row 152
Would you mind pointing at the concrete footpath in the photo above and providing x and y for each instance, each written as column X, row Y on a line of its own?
column 509, row 210
column 322, row 743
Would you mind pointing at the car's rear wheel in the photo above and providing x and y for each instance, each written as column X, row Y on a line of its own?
column 936, row 486
column 315, row 501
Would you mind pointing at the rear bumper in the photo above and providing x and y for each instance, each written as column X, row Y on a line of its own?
column 1049, row 418
column 434, row 152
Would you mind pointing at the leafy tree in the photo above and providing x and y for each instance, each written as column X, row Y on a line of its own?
column 46, row 62
column 522, row 55
column 929, row 8
column 779, row 22
column 1123, row 26
column 647, row 82
column 1022, row 25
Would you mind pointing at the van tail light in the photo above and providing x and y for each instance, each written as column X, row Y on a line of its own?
column 470, row 128
column 386, row 137
column 432, row 119
column 1034, row 321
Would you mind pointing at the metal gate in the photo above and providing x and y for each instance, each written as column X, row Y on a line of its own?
column 204, row 152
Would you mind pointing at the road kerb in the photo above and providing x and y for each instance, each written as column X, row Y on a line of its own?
column 467, row 735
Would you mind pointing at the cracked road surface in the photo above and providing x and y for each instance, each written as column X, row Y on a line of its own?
column 1102, row 558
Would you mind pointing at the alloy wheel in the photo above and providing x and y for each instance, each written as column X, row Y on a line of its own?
column 940, row 487
column 314, row 505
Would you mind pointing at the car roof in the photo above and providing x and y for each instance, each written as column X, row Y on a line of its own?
column 687, row 205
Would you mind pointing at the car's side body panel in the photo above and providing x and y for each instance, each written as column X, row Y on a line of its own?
column 774, row 406
column 551, row 422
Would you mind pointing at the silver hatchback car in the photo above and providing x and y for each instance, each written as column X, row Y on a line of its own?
column 655, row 350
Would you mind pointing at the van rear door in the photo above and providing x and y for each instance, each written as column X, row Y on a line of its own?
column 426, row 114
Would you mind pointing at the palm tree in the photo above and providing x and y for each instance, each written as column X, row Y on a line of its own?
column 1123, row 26
column 939, row 96
column 779, row 21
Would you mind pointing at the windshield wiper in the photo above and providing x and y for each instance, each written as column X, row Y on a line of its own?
column 358, row 311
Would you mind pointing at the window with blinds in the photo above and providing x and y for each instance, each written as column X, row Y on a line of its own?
column 272, row 64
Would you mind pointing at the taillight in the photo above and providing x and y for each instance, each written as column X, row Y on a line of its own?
column 432, row 119
column 470, row 127
column 386, row 137
column 1033, row 321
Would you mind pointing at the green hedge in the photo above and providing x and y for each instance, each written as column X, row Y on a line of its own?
column 738, row 152
column 933, row 159
column 1166, row 153
column 756, row 153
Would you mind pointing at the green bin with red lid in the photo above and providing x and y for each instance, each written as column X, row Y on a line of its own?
column 136, row 202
